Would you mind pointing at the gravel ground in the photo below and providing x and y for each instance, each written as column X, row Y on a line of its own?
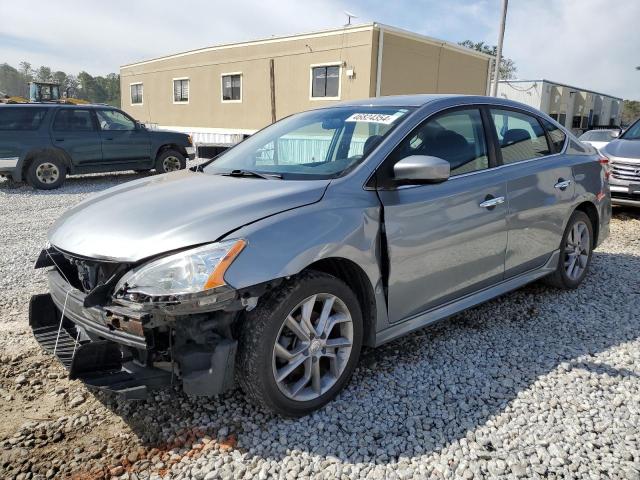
column 536, row 384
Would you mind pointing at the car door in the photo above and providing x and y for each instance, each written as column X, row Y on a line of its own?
column 540, row 187
column 124, row 144
column 444, row 240
column 74, row 130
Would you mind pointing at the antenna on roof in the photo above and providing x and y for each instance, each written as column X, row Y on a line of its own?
column 349, row 17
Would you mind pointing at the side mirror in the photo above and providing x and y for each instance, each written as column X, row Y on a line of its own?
column 615, row 134
column 417, row 169
column 140, row 126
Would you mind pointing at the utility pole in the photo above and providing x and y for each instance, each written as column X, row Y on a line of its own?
column 496, row 76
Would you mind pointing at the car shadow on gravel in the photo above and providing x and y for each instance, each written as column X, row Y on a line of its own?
column 418, row 394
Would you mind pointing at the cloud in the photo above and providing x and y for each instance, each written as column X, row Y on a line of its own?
column 589, row 43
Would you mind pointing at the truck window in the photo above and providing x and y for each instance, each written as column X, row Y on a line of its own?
column 21, row 118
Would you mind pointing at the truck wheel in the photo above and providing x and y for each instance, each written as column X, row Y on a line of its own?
column 170, row 161
column 575, row 253
column 46, row 173
column 299, row 347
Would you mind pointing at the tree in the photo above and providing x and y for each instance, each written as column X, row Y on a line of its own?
column 508, row 67
column 94, row 89
column 630, row 111
column 43, row 74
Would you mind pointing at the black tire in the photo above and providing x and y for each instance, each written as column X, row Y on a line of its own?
column 46, row 173
column 560, row 278
column 259, row 333
column 162, row 162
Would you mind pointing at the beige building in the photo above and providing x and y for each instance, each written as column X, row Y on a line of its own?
column 576, row 108
column 219, row 93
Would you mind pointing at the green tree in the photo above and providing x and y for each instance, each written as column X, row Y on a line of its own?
column 508, row 67
column 630, row 111
column 43, row 74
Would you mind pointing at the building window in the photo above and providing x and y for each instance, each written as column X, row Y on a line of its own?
column 577, row 119
column 232, row 87
column 136, row 93
column 325, row 81
column 181, row 90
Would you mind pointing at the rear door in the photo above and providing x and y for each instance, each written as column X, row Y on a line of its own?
column 74, row 130
column 540, row 187
column 124, row 145
column 444, row 240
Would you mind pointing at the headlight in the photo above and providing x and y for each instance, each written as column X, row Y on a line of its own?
column 188, row 272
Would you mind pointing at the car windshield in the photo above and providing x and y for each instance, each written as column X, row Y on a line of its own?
column 633, row 133
column 597, row 136
column 317, row 144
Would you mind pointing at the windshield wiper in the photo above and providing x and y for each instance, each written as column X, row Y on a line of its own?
column 251, row 173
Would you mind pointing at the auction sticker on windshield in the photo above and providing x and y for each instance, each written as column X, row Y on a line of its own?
column 384, row 118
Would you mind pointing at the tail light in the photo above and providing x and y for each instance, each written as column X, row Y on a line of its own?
column 604, row 161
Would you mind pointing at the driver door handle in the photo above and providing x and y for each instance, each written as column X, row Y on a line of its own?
column 562, row 184
column 492, row 202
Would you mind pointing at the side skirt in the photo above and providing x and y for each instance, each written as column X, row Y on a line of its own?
column 440, row 313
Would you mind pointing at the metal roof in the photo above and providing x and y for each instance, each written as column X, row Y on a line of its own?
column 542, row 80
column 320, row 33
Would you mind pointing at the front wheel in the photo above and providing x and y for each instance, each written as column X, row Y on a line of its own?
column 170, row 161
column 575, row 253
column 299, row 347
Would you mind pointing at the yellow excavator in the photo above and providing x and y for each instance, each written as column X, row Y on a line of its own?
column 43, row 92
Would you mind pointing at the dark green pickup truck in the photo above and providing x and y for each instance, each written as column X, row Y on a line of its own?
column 43, row 143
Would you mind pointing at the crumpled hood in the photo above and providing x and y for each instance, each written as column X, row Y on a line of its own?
column 161, row 213
column 623, row 148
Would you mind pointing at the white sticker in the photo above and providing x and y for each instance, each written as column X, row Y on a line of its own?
column 383, row 118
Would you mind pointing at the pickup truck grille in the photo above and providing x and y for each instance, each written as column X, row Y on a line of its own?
column 626, row 171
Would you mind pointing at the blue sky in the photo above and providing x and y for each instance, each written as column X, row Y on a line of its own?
column 583, row 42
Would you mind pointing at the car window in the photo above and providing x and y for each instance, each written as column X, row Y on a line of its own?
column 73, row 120
column 456, row 136
column 323, row 143
column 597, row 136
column 521, row 136
column 556, row 135
column 114, row 120
column 16, row 118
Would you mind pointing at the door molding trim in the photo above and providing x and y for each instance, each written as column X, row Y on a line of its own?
column 447, row 310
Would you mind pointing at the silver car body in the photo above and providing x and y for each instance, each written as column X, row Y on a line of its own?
column 624, row 160
column 425, row 252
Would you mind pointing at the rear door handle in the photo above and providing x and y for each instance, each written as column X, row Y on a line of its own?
column 562, row 184
column 492, row 202
column 59, row 139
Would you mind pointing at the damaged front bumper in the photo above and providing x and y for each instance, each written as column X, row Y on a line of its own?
column 131, row 351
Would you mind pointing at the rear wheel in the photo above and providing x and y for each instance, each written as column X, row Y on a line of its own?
column 170, row 161
column 575, row 253
column 46, row 173
column 299, row 347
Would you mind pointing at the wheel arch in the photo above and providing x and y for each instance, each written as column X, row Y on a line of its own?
column 169, row 146
column 356, row 279
column 591, row 211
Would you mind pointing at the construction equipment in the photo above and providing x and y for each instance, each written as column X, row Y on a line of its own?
column 40, row 92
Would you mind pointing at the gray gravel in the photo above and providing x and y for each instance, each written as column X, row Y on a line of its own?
column 537, row 384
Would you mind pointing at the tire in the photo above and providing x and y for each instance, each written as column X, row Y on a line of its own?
column 46, row 173
column 258, row 363
column 170, row 161
column 565, row 277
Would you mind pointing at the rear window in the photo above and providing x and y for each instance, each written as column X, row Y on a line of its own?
column 556, row 135
column 15, row 118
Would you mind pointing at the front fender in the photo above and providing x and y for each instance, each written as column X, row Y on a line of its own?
column 338, row 226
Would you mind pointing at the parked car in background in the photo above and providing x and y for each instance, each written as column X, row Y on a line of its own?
column 276, row 263
column 624, row 160
column 599, row 138
column 43, row 143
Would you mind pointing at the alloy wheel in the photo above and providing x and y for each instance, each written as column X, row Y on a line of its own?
column 576, row 250
column 171, row 164
column 313, row 347
column 47, row 173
